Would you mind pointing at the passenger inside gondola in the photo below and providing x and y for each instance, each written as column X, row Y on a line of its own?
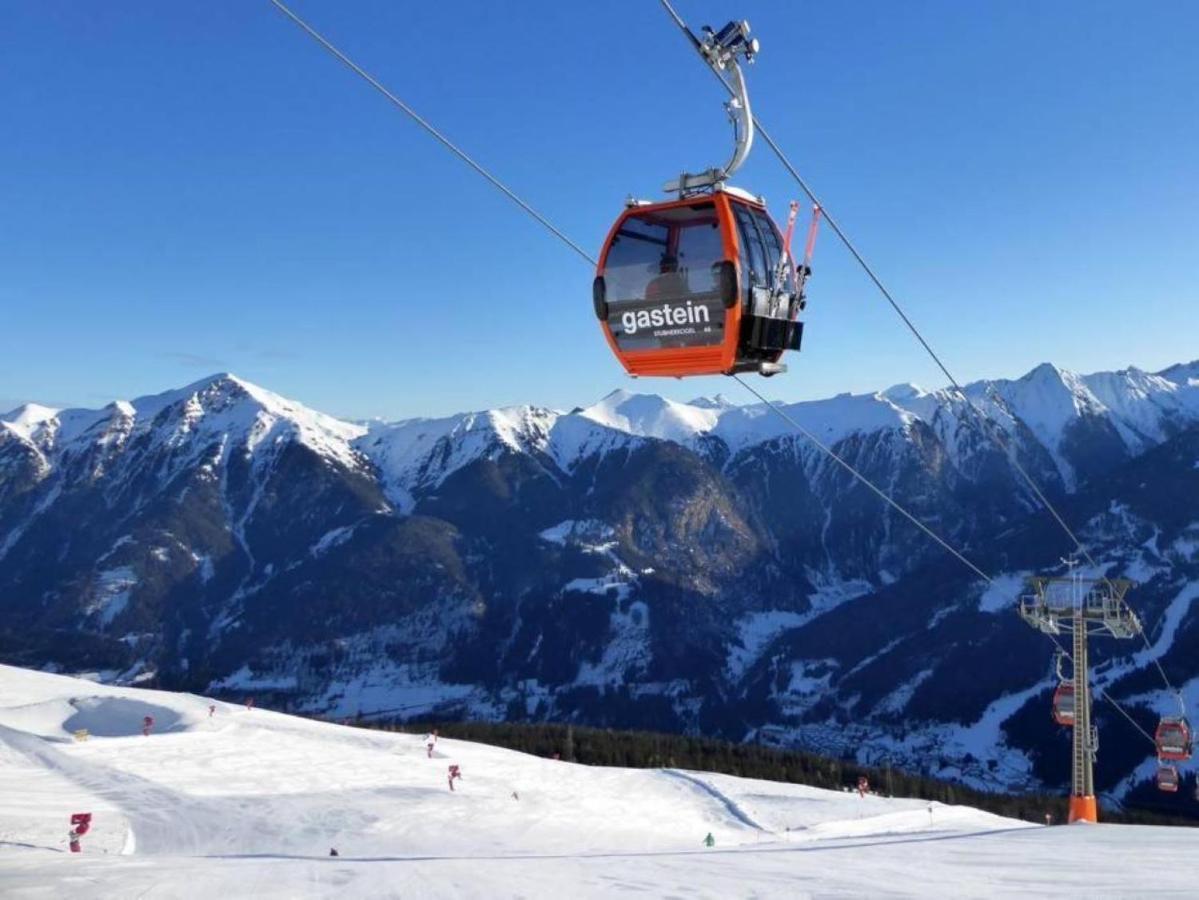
column 670, row 283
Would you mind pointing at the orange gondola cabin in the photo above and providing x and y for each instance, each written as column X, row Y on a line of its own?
column 1173, row 739
column 698, row 286
column 704, row 284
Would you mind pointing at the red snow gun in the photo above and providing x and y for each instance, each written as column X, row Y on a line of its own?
column 81, row 824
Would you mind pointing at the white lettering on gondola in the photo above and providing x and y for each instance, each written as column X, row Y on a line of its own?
column 663, row 316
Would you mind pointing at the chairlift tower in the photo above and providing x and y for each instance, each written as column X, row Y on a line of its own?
column 1081, row 607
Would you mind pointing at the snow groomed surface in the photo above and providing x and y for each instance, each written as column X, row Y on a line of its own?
column 250, row 803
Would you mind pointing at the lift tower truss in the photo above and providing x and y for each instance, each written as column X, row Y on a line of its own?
column 1081, row 607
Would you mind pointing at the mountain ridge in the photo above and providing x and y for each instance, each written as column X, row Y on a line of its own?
column 1140, row 405
column 639, row 562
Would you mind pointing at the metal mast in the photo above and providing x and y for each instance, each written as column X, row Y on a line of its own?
column 1084, row 744
column 1082, row 607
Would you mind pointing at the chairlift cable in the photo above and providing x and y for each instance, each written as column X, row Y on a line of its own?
column 549, row 226
column 423, row 123
column 985, row 425
column 790, row 420
column 1104, row 694
column 878, row 283
column 461, row 154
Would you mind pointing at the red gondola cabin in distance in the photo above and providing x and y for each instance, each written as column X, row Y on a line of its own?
column 1063, row 704
column 1167, row 779
column 1173, row 739
column 702, row 285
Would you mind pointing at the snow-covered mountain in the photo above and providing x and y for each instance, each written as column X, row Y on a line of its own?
column 1047, row 407
column 639, row 562
column 1043, row 411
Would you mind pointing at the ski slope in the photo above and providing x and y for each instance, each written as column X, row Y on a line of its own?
column 249, row 803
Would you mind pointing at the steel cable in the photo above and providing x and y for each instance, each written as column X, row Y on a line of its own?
column 985, row 425
column 862, row 478
column 423, row 123
column 558, row 233
column 461, row 154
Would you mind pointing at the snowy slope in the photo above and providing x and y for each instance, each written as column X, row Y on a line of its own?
column 249, row 803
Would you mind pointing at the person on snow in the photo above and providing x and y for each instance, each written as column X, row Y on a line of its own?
column 431, row 741
column 863, row 786
column 147, row 725
column 455, row 772
column 249, row 704
column 709, row 841
column 211, row 709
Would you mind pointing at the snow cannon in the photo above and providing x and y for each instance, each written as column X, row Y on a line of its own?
column 81, row 824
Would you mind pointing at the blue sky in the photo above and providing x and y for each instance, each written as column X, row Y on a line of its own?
column 192, row 188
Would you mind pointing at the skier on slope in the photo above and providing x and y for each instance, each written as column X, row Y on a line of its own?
column 454, row 772
column 431, row 741
column 147, row 725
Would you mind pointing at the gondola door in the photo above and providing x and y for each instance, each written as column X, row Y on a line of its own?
column 666, row 291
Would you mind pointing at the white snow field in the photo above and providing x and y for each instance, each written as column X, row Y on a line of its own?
column 248, row 804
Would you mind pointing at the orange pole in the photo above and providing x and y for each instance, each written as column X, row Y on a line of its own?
column 1084, row 809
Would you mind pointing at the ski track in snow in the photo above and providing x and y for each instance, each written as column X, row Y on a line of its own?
column 705, row 788
column 247, row 804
